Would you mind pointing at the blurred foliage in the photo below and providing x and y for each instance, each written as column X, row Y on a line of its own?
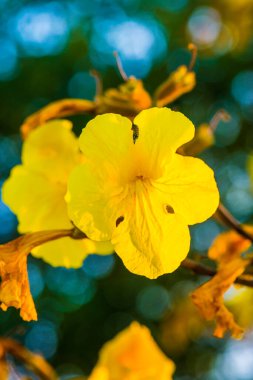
column 47, row 49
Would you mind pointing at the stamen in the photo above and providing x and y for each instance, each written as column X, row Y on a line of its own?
column 194, row 50
column 221, row 115
column 119, row 220
column 169, row 209
column 136, row 132
column 120, row 66
column 98, row 80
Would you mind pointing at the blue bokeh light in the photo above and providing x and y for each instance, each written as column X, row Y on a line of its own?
column 239, row 353
column 98, row 266
column 42, row 338
column 10, row 151
column 203, row 235
column 152, row 302
column 140, row 42
column 8, row 221
column 35, row 279
column 8, row 59
column 240, row 203
column 82, row 85
column 72, row 288
column 41, row 29
column 64, row 281
column 242, row 88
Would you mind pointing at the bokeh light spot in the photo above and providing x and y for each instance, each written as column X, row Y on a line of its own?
column 8, row 59
column 204, row 26
column 140, row 42
column 42, row 338
column 82, row 85
column 9, row 154
column 98, row 266
column 203, row 235
column 152, row 302
column 35, row 279
column 242, row 88
column 8, row 221
column 41, row 29
column 66, row 281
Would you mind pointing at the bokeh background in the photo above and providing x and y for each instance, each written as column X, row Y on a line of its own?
column 47, row 49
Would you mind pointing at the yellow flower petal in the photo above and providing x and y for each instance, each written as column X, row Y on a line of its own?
column 100, row 373
column 38, row 203
column 161, row 132
column 106, row 141
column 52, row 150
column 88, row 203
column 133, row 355
column 189, row 186
column 150, row 240
column 70, row 253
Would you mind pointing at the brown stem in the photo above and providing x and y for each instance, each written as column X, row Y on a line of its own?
column 224, row 216
column 207, row 271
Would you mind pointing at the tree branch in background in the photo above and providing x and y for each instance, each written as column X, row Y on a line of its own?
column 226, row 218
column 205, row 270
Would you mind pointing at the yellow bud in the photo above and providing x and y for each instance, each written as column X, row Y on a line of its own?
column 204, row 138
column 179, row 82
column 128, row 99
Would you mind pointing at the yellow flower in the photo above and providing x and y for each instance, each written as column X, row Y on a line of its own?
column 135, row 190
column 35, row 192
column 132, row 355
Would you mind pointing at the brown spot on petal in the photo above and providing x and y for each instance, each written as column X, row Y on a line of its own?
column 119, row 220
column 169, row 209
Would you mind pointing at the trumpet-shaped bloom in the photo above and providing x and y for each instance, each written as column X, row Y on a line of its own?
column 35, row 192
column 134, row 189
column 133, row 355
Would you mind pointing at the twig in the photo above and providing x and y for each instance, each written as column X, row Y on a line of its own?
column 227, row 218
column 207, row 271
